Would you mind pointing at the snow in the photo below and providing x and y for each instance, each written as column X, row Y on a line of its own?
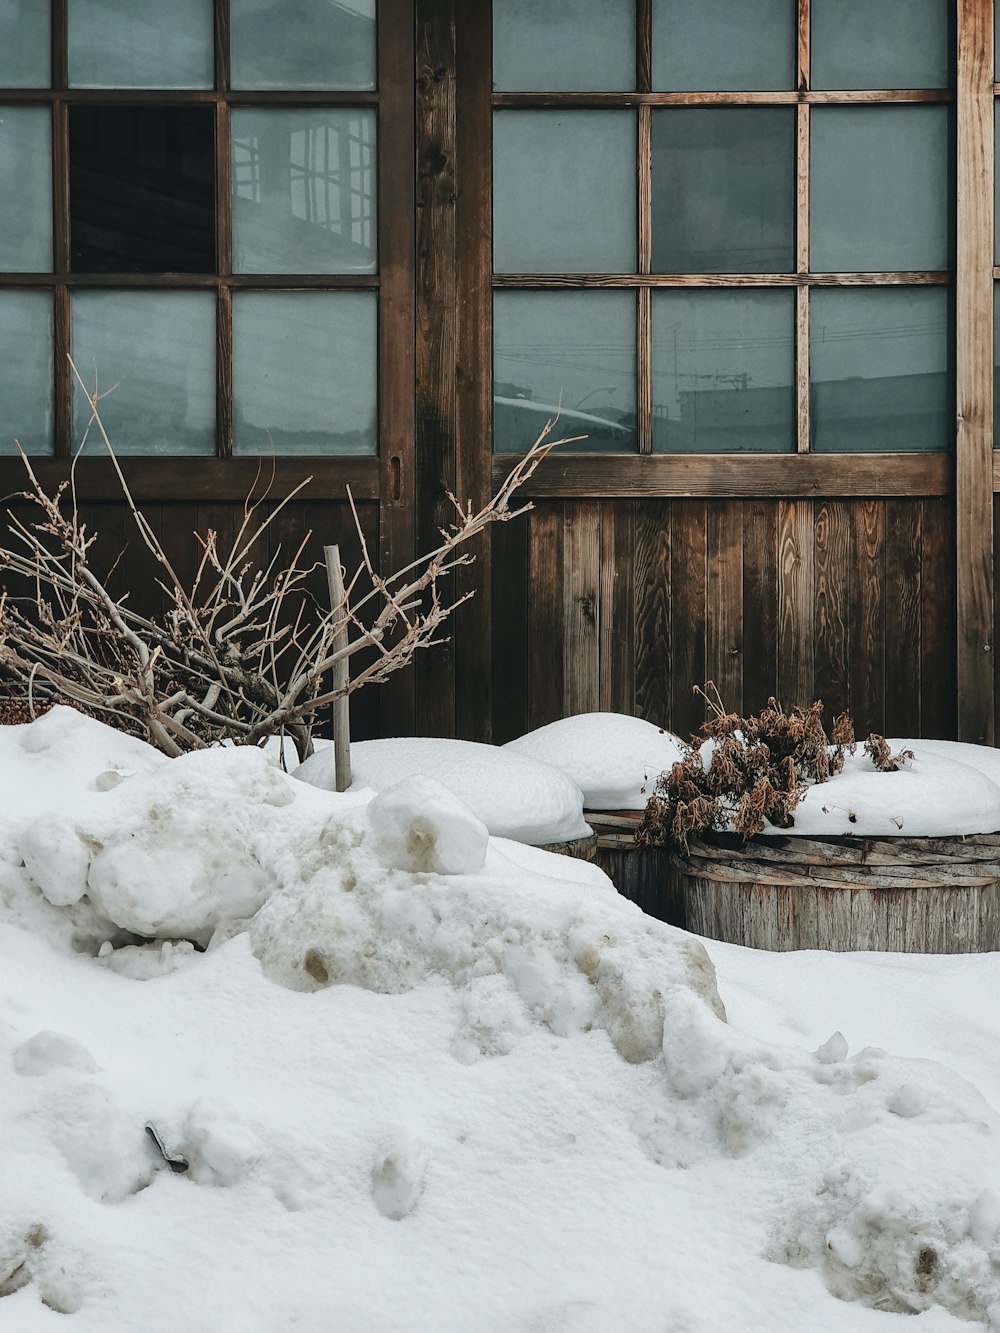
column 515, row 796
column 947, row 789
column 614, row 759
column 431, row 1100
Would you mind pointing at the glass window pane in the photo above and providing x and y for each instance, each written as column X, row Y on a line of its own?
column 723, row 190
column 996, row 365
column 304, row 191
column 566, row 352
column 304, row 372
column 303, row 44
column 142, row 189
column 564, row 45
column 880, row 189
column 157, row 351
column 564, row 192
column 26, row 384
column 724, row 44
column 25, row 45
column 723, row 371
column 141, row 44
column 881, row 371
column 881, row 43
column 25, row 189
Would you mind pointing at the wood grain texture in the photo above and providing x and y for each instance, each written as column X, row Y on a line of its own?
column 845, row 96
column 903, row 647
column 616, row 608
column 833, row 600
column 546, row 624
column 867, row 617
column 688, row 612
column 937, row 612
column 582, row 605
column 510, row 630
column 724, row 600
column 796, row 603
column 652, row 605
column 760, row 584
column 974, row 371
column 575, row 280
column 747, row 475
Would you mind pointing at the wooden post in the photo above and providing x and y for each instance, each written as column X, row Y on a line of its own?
column 341, row 707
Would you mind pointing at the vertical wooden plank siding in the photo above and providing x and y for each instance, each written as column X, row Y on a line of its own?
column 614, row 604
column 546, row 627
column 760, row 582
column 688, row 612
column 974, row 371
column 437, row 300
column 796, row 601
column 395, row 538
column 867, row 625
column 651, row 615
column 510, row 629
column 833, row 600
column 724, row 601
column 581, row 604
column 937, row 619
column 903, row 648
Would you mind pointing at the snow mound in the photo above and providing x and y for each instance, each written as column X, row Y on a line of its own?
column 419, row 825
column 515, row 796
column 521, row 953
column 613, row 758
column 948, row 789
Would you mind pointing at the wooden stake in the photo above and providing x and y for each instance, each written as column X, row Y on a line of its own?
column 341, row 707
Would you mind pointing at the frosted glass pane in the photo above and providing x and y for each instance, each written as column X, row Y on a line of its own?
column 880, row 189
column 881, row 369
column 158, row 348
column 564, row 191
column 141, row 44
column 304, row 372
column 25, row 47
column 304, row 191
column 723, row 44
column 564, row 45
column 303, row 44
column 568, row 350
column 723, row 190
column 723, row 371
column 26, row 377
column 881, row 43
column 25, row 189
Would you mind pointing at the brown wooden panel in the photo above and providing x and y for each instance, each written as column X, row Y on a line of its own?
column 746, row 475
column 760, row 584
column 868, row 618
column 616, row 608
column 724, row 600
column 546, row 626
column 938, row 712
column 903, row 648
column 581, row 605
column 510, row 630
column 796, row 603
column 651, row 601
column 833, row 599
column 688, row 574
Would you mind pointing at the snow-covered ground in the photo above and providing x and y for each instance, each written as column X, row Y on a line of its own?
column 424, row 1079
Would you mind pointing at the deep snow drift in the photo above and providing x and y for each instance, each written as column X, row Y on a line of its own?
column 427, row 1080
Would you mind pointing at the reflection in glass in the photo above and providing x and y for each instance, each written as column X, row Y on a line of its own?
column 142, row 189
column 881, row 369
column 304, row 191
column 141, row 44
column 25, row 189
column 723, row 189
column 564, row 45
column 158, row 351
column 25, row 44
column 723, row 371
column 723, row 44
column 564, row 191
column 304, row 372
column 26, row 381
column 566, row 352
column 880, row 189
column 880, row 43
column 303, row 44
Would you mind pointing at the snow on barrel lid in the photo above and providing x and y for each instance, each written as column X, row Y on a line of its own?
column 514, row 795
column 613, row 758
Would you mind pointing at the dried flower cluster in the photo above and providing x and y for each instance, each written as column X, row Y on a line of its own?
column 748, row 772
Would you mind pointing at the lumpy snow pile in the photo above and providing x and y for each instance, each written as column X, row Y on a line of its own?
column 402, row 1076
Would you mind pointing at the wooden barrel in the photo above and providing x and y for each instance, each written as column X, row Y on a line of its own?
column 905, row 895
column 583, row 849
column 643, row 874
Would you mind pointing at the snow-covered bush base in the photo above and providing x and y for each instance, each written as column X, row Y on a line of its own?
column 485, row 1095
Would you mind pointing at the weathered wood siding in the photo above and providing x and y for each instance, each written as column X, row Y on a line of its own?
column 626, row 604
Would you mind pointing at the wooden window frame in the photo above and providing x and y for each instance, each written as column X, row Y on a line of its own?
column 726, row 474
column 222, row 477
